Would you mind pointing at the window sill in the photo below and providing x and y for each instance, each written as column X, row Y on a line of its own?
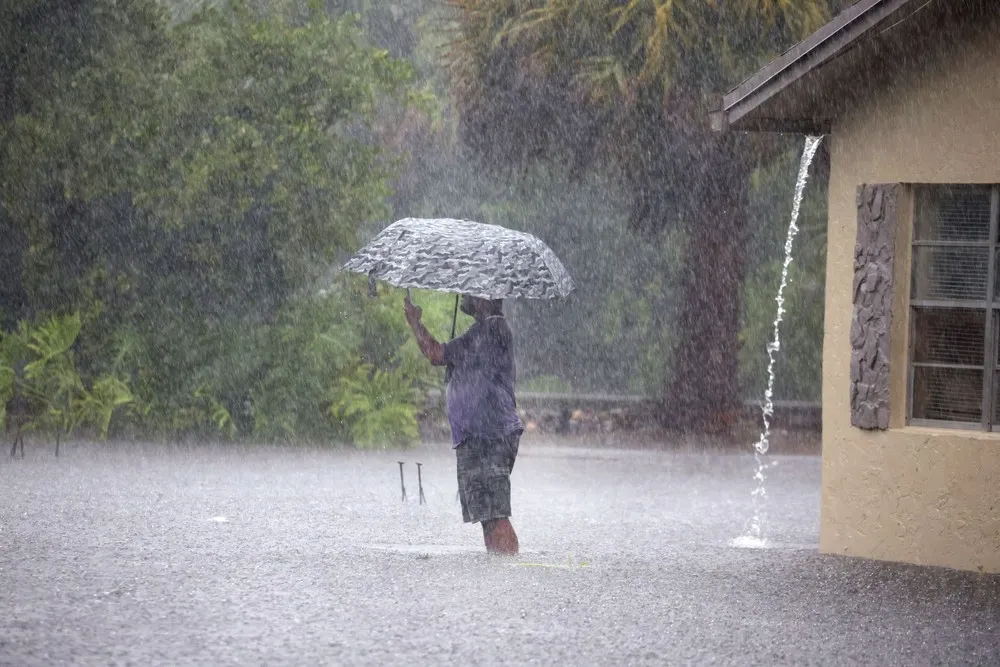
column 943, row 431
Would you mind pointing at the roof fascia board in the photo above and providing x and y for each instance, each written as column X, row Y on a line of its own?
column 817, row 49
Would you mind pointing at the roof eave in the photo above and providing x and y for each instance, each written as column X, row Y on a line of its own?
column 808, row 126
column 816, row 50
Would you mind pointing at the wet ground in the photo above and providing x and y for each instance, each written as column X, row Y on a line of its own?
column 151, row 555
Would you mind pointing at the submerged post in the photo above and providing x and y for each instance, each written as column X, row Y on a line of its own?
column 420, row 485
column 402, row 485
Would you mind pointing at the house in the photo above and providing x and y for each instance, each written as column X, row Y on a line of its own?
column 907, row 93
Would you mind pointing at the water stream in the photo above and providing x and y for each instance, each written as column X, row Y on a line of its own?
column 756, row 535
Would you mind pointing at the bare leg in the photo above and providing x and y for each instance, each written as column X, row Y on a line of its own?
column 499, row 536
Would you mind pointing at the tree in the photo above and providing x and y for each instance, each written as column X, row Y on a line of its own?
column 632, row 83
column 75, row 77
column 183, row 182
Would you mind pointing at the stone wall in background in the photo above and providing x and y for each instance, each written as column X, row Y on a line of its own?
column 603, row 415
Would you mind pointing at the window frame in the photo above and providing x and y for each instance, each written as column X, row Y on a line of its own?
column 990, row 305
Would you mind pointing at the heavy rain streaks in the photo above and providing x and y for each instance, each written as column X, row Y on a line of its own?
column 224, row 450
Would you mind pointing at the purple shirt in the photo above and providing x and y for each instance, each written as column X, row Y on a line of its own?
column 481, row 376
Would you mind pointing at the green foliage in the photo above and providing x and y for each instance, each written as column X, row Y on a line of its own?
column 377, row 407
column 51, row 342
column 631, row 81
column 184, row 178
column 215, row 413
column 271, row 382
column 311, row 344
column 184, row 181
column 37, row 364
column 630, row 84
column 377, row 402
column 97, row 406
column 277, row 110
column 50, row 379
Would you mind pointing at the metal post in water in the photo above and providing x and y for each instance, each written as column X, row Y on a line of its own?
column 402, row 485
column 420, row 485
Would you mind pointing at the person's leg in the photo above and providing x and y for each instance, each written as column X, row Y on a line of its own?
column 500, row 538
column 498, row 532
column 484, row 489
column 466, row 464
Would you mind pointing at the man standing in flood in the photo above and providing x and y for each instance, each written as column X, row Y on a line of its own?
column 482, row 412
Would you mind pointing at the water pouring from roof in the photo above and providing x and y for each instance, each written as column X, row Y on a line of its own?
column 757, row 534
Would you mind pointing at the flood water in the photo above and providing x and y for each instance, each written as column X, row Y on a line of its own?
column 148, row 554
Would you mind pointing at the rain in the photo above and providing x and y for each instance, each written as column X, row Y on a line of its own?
column 420, row 332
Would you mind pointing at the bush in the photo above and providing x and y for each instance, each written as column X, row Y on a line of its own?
column 37, row 365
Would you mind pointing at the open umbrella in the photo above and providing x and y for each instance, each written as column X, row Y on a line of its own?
column 464, row 257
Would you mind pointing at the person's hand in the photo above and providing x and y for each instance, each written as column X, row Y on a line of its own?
column 413, row 313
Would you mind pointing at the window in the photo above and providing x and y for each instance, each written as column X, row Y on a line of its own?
column 955, row 307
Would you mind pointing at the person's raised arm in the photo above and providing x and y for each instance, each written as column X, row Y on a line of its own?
column 431, row 349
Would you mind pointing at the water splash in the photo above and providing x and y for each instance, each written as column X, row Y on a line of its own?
column 749, row 542
column 757, row 533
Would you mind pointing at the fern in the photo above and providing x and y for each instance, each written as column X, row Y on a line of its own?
column 50, row 341
column 378, row 407
column 98, row 405
column 215, row 413
column 45, row 373
column 395, row 424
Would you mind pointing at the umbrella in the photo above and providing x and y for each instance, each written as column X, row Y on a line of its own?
column 462, row 256
column 465, row 257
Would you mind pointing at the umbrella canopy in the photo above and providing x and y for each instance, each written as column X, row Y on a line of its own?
column 465, row 257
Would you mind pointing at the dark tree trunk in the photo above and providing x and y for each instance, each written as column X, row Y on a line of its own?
column 17, row 416
column 704, row 393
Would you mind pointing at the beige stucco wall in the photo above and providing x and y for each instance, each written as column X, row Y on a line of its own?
column 928, row 496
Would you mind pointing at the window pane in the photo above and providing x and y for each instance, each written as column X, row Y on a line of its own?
column 996, row 402
column 949, row 336
column 996, row 276
column 952, row 213
column 947, row 394
column 950, row 273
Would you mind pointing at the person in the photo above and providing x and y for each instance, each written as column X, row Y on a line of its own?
column 482, row 412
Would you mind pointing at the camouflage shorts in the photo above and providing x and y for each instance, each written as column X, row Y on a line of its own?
column 484, row 477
